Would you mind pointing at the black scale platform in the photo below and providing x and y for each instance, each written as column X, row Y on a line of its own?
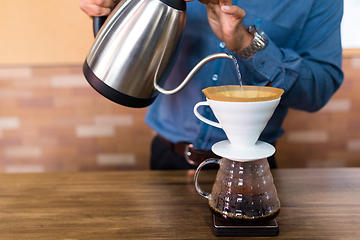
column 222, row 227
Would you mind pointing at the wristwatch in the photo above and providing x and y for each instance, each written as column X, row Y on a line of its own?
column 259, row 42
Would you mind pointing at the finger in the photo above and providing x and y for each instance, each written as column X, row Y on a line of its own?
column 103, row 3
column 97, row 7
column 235, row 11
column 100, row 3
column 209, row 1
column 96, row 11
column 225, row 2
column 214, row 10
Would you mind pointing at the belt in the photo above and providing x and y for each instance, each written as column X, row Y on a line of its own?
column 193, row 155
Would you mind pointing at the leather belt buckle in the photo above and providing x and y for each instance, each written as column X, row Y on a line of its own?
column 187, row 155
column 192, row 155
column 195, row 156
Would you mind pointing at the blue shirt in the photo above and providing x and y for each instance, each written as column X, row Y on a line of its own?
column 303, row 57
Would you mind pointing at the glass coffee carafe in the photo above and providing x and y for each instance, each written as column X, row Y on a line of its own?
column 242, row 191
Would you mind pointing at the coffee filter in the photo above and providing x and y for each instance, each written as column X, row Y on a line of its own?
column 234, row 93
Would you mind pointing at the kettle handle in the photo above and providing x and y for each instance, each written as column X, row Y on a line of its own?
column 97, row 24
column 191, row 74
column 197, row 186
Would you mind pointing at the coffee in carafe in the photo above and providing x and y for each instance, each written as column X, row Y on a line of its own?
column 244, row 191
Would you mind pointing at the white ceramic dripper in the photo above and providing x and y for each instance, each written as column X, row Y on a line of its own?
column 242, row 121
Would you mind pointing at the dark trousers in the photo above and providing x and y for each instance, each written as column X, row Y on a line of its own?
column 164, row 158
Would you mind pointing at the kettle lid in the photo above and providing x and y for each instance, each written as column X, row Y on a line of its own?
column 177, row 4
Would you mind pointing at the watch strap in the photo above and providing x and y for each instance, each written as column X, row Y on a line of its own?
column 259, row 42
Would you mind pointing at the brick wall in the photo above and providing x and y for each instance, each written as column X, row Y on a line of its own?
column 51, row 120
column 329, row 137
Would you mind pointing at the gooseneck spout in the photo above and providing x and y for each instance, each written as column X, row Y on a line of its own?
column 192, row 73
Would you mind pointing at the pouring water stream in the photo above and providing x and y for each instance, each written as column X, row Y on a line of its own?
column 238, row 72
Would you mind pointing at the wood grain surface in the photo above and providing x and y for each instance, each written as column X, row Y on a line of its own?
column 316, row 204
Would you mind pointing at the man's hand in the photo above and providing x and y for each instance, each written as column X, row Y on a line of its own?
column 225, row 20
column 96, row 8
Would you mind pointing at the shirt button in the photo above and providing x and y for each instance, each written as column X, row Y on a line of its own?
column 222, row 44
column 215, row 77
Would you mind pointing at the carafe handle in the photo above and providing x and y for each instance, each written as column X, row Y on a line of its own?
column 191, row 74
column 197, row 186
column 205, row 120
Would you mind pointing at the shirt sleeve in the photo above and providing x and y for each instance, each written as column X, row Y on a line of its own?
column 311, row 72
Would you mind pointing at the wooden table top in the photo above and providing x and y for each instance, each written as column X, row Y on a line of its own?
column 315, row 204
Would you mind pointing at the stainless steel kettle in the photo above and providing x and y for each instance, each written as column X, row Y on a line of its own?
column 135, row 50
